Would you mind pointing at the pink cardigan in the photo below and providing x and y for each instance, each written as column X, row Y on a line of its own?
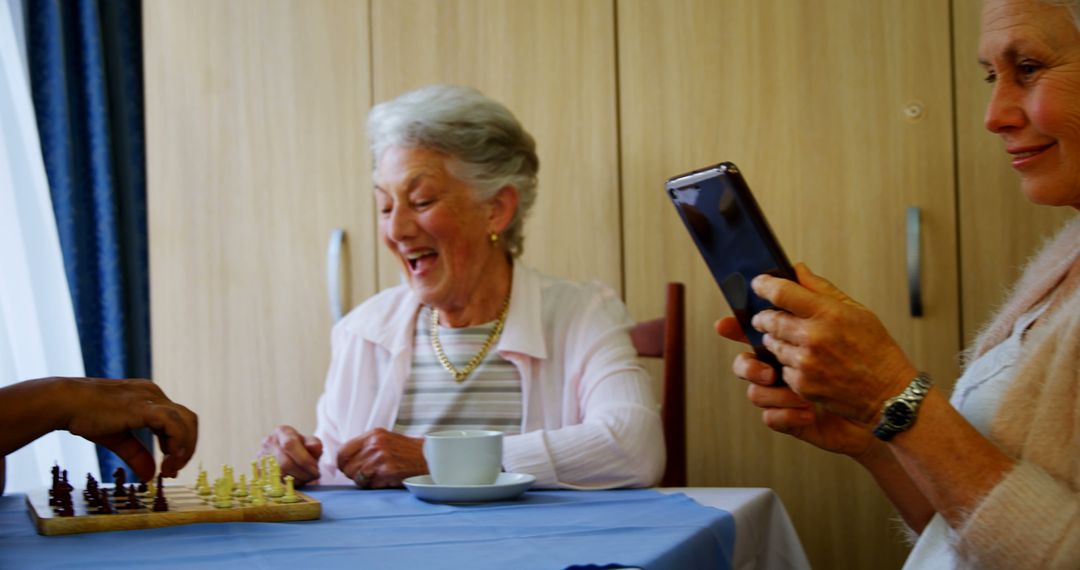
column 589, row 420
column 1031, row 518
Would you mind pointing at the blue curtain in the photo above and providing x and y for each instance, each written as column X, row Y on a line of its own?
column 86, row 76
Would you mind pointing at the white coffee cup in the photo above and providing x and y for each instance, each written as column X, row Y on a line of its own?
column 464, row 457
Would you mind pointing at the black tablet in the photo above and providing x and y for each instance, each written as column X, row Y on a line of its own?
column 733, row 236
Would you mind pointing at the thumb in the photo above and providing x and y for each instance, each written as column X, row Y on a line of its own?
column 818, row 284
column 729, row 328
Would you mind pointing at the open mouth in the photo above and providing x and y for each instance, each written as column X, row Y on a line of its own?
column 417, row 260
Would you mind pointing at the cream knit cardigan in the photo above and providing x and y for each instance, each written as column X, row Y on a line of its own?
column 1031, row 518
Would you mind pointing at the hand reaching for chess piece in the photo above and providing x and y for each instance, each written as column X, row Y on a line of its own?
column 102, row 411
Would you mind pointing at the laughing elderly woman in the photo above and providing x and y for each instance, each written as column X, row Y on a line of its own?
column 475, row 339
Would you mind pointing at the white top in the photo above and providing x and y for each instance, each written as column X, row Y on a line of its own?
column 977, row 395
column 589, row 418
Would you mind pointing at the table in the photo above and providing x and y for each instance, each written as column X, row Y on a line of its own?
column 764, row 535
column 647, row 528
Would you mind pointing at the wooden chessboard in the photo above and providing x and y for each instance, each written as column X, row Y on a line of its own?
column 185, row 507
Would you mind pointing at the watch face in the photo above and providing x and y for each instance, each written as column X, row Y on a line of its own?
column 899, row 414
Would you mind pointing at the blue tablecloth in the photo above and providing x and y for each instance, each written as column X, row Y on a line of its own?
column 393, row 529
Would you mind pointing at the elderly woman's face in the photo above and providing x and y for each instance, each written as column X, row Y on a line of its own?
column 430, row 220
column 1031, row 53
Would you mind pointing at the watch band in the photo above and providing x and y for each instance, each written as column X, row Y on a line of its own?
column 899, row 412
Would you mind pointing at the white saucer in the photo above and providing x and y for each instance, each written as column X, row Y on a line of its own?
column 507, row 486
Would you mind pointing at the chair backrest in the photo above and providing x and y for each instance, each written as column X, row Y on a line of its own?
column 666, row 338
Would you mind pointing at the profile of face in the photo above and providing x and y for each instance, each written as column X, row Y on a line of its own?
column 433, row 223
column 1030, row 50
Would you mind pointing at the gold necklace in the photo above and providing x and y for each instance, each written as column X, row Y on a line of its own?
column 461, row 375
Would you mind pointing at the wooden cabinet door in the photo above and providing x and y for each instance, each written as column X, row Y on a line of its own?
column 552, row 62
column 256, row 151
column 840, row 116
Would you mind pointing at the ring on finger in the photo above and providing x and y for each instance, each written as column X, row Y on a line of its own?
column 359, row 478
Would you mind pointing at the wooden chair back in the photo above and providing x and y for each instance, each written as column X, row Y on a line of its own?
column 666, row 338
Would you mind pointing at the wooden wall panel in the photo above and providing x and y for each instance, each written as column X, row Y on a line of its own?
column 255, row 152
column 552, row 62
column 999, row 227
column 814, row 102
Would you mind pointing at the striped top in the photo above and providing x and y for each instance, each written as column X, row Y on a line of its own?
column 489, row 398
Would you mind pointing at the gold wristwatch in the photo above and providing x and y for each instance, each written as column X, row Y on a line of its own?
column 899, row 413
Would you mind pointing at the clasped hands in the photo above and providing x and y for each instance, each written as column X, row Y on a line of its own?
column 839, row 363
column 377, row 459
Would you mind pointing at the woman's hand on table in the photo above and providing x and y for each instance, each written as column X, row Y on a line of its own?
column 298, row 454
column 381, row 458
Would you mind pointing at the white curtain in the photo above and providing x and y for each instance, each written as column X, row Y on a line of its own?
column 37, row 323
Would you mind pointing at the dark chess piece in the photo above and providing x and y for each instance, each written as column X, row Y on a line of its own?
column 133, row 501
column 67, row 509
column 90, row 493
column 55, row 484
column 142, row 487
column 105, row 506
column 119, row 479
column 93, row 498
column 64, row 506
column 160, row 503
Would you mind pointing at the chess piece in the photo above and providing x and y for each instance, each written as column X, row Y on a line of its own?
column 55, row 485
column 151, row 488
column 223, row 494
column 90, row 493
column 257, row 497
column 119, row 479
column 290, row 492
column 160, row 503
column 133, row 501
column 66, row 509
column 202, row 485
column 142, row 487
column 241, row 490
column 64, row 506
column 91, row 486
column 105, row 506
column 276, row 490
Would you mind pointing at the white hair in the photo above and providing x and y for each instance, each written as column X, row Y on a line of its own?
column 1072, row 5
column 487, row 146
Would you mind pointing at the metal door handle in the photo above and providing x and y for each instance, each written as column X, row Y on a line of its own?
column 333, row 273
column 914, row 261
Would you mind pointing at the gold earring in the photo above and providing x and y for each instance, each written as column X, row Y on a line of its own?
column 494, row 238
